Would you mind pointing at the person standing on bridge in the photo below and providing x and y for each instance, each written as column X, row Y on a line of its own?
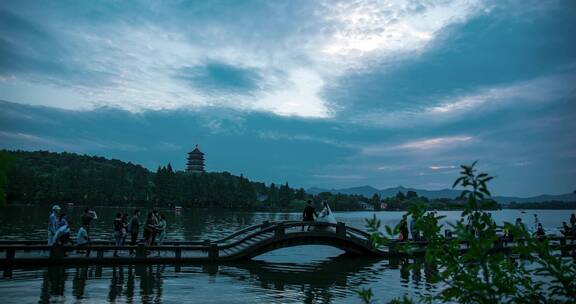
column 161, row 229
column 87, row 217
column 149, row 228
column 566, row 230
column 326, row 216
column 536, row 223
column 53, row 224
column 308, row 214
column 133, row 228
column 156, row 219
column 404, row 229
column 118, row 227
column 540, row 233
column 83, row 238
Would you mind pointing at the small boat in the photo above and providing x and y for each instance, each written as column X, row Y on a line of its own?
column 178, row 208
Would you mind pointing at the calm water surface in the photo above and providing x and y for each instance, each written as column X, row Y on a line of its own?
column 304, row 274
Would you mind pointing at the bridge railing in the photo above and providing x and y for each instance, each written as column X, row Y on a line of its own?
column 275, row 229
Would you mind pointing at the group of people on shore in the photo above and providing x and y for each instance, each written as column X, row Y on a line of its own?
column 154, row 228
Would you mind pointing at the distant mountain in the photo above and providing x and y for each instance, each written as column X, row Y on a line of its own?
column 568, row 197
column 369, row 191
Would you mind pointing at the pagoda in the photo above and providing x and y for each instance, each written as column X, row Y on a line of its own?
column 195, row 162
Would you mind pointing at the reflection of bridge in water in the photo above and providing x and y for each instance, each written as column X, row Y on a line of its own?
column 241, row 245
column 313, row 282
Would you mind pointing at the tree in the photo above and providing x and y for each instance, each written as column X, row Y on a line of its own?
column 43, row 177
column 5, row 162
column 375, row 200
column 400, row 195
column 411, row 194
column 285, row 194
column 482, row 275
column 300, row 194
column 273, row 194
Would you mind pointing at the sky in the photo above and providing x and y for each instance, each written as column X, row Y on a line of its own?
column 328, row 93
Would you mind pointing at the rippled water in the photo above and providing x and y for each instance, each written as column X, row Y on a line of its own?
column 305, row 274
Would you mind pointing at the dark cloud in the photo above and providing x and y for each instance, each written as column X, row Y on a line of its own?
column 489, row 50
column 213, row 77
column 28, row 49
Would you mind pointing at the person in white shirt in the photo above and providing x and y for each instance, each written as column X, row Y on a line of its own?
column 82, row 238
column 62, row 235
column 53, row 224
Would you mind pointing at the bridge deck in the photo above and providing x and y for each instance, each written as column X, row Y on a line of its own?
column 241, row 245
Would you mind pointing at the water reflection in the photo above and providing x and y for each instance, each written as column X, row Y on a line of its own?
column 53, row 284
column 303, row 275
column 411, row 271
column 79, row 282
column 320, row 282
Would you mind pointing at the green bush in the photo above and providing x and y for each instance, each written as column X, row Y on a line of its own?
column 481, row 274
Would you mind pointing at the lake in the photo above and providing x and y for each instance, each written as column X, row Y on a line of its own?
column 305, row 274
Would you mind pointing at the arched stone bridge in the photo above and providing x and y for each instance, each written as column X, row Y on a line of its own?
column 241, row 245
column 259, row 239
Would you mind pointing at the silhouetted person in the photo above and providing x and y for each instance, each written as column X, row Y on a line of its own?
column 133, row 228
column 536, row 222
column 573, row 221
column 404, row 228
column 540, row 231
column 87, row 217
column 118, row 226
column 308, row 214
column 415, row 232
column 519, row 223
column 161, row 229
column 566, row 230
column 149, row 229
column 156, row 219
column 124, row 227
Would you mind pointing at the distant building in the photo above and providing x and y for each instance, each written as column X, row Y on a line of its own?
column 195, row 162
column 366, row 206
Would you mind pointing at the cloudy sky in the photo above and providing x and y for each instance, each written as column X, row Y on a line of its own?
column 316, row 93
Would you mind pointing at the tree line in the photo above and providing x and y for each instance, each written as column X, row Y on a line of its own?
column 43, row 177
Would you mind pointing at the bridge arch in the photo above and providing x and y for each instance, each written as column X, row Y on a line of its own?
column 309, row 238
column 289, row 235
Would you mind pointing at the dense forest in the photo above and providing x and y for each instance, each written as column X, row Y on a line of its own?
column 43, row 177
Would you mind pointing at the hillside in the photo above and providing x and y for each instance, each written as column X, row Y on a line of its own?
column 369, row 191
column 43, row 177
